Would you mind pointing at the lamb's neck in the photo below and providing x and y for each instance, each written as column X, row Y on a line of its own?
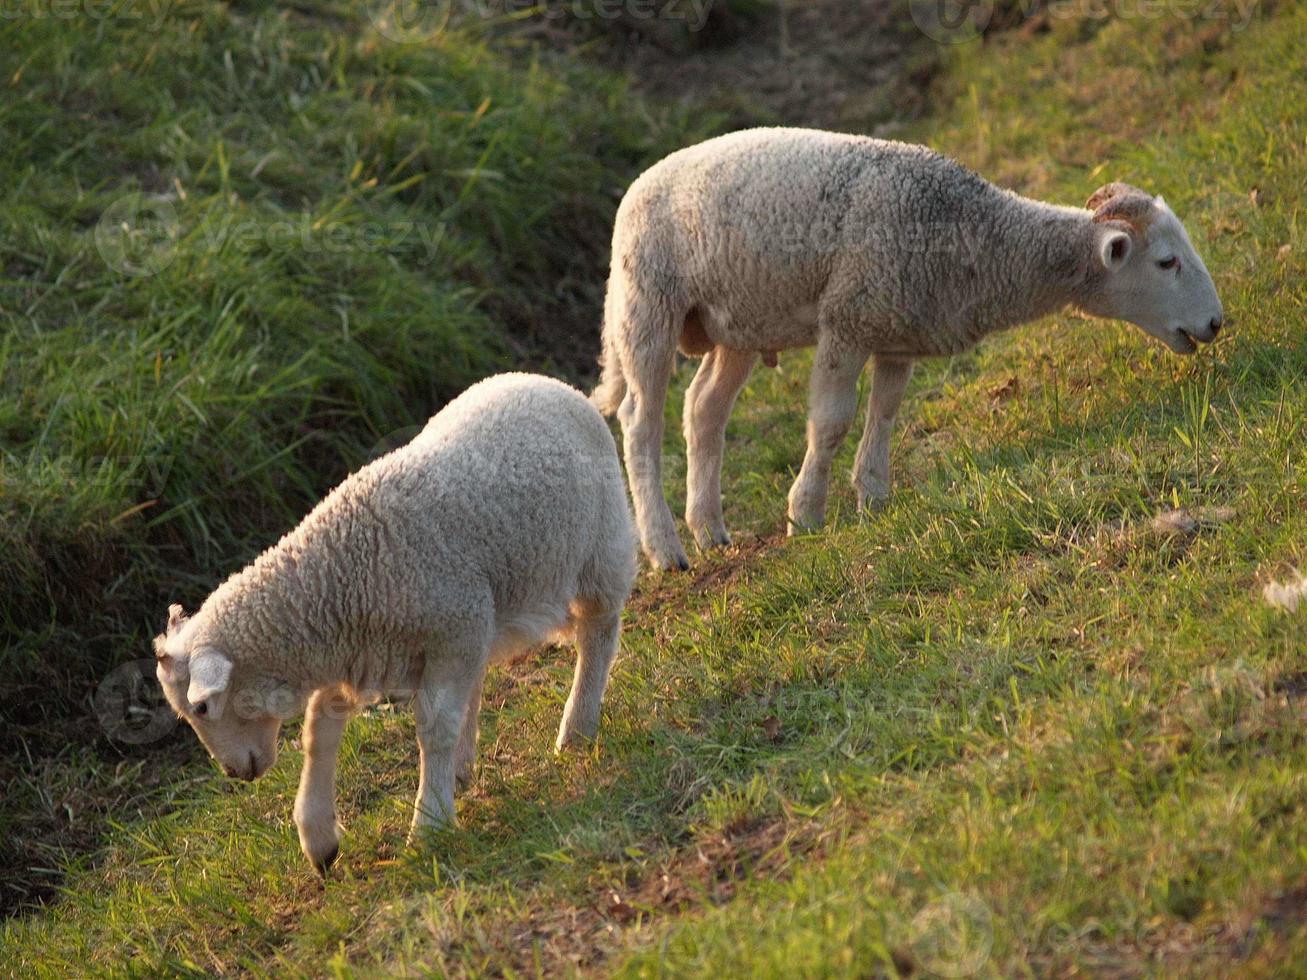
column 1038, row 258
column 274, row 612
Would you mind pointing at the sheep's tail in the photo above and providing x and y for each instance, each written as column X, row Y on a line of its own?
column 610, row 391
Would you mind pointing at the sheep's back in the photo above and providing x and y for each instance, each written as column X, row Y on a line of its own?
column 756, row 227
column 516, row 482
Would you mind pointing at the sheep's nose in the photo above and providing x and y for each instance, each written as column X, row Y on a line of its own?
column 1215, row 326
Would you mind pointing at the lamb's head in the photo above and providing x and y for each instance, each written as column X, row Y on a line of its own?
column 1150, row 273
column 236, row 710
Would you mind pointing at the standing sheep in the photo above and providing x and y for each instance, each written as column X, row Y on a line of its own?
column 504, row 522
column 770, row 239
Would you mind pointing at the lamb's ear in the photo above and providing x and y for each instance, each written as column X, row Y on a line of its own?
column 176, row 618
column 1114, row 245
column 1126, row 203
column 210, row 673
column 1109, row 191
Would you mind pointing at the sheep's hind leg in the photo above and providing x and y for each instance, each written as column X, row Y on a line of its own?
column 315, row 803
column 465, row 756
column 834, row 401
column 871, row 466
column 441, row 705
column 708, row 404
column 648, row 374
column 597, row 634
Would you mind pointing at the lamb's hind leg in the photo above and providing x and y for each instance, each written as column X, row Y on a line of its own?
column 465, row 756
column 315, row 803
column 708, row 404
column 833, row 403
column 648, row 356
column 597, row 631
column 440, row 706
column 871, row 467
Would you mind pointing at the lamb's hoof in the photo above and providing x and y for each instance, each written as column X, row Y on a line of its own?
column 674, row 563
column 872, row 499
column 575, row 739
column 797, row 527
column 709, row 538
column 323, row 864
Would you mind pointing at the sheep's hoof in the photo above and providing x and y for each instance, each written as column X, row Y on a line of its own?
column 873, row 498
column 795, row 527
column 463, row 778
column 677, row 563
column 708, row 538
column 323, row 864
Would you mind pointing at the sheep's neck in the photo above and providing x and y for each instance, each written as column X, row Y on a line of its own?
column 1037, row 263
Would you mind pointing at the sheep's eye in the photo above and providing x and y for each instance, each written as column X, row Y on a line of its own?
column 201, row 709
column 1170, row 263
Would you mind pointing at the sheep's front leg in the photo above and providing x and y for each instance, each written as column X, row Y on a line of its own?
column 833, row 403
column 871, row 467
column 596, row 645
column 440, row 706
column 315, row 803
column 708, row 405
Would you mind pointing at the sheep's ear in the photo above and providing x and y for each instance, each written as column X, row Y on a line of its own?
column 1114, row 246
column 1109, row 191
column 1121, row 202
column 210, row 673
column 176, row 618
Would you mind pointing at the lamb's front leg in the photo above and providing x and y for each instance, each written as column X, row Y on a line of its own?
column 315, row 803
column 440, row 706
column 833, row 403
column 889, row 381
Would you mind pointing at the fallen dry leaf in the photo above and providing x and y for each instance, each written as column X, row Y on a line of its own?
column 1175, row 522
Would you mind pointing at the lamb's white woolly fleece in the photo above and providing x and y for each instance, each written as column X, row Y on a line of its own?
column 1287, row 595
column 770, row 239
column 503, row 522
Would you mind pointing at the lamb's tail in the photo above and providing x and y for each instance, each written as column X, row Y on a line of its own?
column 610, row 391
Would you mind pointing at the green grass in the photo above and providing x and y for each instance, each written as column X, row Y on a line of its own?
column 1003, row 727
column 244, row 246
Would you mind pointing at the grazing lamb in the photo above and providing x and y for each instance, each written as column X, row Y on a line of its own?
column 504, row 522
column 770, row 239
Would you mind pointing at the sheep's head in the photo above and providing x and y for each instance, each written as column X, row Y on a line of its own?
column 1151, row 274
column 235, row 710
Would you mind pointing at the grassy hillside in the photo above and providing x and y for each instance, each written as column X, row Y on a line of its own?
column 244, row 246
column 1010, row 725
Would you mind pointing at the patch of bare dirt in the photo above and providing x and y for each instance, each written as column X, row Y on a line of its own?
column 708, row 870
column 858, row 65
column 830, row 64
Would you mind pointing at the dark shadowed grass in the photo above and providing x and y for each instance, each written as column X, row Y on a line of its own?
column 1007, row 726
